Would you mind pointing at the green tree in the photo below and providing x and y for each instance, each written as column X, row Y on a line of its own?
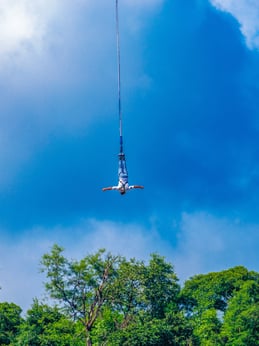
column 10, row 320
column 173, row 329
column 207, row 298
column 108, row 322
column 161, row 286
column 47, row 326
column 214, row 290
column 80, row 287
column 241, row 320
column 143, row 308
column 118, row 301
column 126, row 294
column 144, row 288
column 208, row 328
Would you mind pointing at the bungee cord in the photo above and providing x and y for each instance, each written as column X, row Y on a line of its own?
column 123, row 185
column 119, row 75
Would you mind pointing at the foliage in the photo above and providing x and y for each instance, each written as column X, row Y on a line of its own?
column 241, row 321
column 143, row 307
column 10, row 320
column 110, row 330
column 149, row 288
column 46, row 326
column 80, row 287
column 107, row 300
column 209, row 302
column 208, row 329
column 126, row 292
column 160, row 286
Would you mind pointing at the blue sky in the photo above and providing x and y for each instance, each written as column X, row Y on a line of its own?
column 190, row 91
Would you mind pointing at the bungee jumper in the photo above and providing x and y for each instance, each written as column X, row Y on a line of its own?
column 123, row 185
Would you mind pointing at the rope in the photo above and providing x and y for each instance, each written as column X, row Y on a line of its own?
column 119, row 75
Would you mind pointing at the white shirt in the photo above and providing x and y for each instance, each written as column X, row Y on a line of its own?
column 121, row 185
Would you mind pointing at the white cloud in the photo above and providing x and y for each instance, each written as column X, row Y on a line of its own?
column 57, row 60
column 50, row 44
column 19, row 262
column 130, row 240
column 247, row 14
column 19, row 271
column 23, row 25
column 45, row 55
column 205, row 243
column 31, row 28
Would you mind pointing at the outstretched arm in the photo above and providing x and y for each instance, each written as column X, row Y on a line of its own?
column 107, row 188
column 138, row 187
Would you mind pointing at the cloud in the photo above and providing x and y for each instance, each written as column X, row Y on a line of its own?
column 204, row 243
column 130, row 240
column 20, row 279
column 49, row 71
column 24, row 25
column 19, row 271
column 42, row 29
column 209, row 243
column 247, row 14
column 57, row 61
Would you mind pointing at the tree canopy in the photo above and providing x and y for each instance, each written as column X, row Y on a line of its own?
column 103, row 299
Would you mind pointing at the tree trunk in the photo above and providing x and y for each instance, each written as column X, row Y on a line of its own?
column 88, row 341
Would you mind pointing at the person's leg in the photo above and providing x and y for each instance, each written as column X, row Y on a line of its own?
column 122, row 171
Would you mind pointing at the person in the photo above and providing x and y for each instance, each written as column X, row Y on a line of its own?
column 123, row 185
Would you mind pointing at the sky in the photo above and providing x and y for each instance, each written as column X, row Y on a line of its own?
column 190, row 106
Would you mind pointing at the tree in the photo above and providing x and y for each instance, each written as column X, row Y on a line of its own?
column 118, row 301
column 173, row 329
column 208, row 298
column 126, row 292
column 47, row 326
column 161, row 286
column 241, row 321
column 143, row 308
column 80, row 287
column 149, row 288
column 10, row 320
column 208, row 329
